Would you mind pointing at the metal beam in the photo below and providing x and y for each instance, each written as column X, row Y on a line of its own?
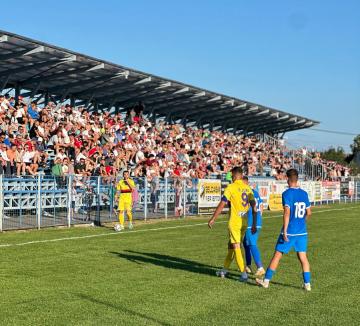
column 56, row 89
column 163, row 98
column 97, row 67
column 280, row 127
column 13, row 55
column 147, row 98
column 222, row 110
column 4, row 83
column 274, row 125
column 35, row 90
column 193, row 104
column 38, row 65
column 244, row 120
column 56, row 75
column 143, row 81
column 113, row 89
column 129, row 96
column 38, row 49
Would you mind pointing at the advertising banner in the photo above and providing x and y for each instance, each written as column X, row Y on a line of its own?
column 209, row 195
column 275, row 202
column 275, row 198
column 330, row 190
column 347, row 188
column 263, row 188
column 351, row 188
column 310, row 188
column 317, row 191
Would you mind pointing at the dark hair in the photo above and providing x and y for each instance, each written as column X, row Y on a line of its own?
column 292, row 174
column 236, row 170
column 245, row 177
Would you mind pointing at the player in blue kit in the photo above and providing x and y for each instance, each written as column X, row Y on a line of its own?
column 250, row 239
column 293, row 233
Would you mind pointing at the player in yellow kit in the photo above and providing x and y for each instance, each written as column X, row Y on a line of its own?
column 125, row 187
column 240, row 197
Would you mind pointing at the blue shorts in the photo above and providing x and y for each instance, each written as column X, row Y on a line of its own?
column 251, row 239
column 299, row 243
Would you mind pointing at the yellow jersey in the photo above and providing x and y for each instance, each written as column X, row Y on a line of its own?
column 125, row 190
column 239, row 195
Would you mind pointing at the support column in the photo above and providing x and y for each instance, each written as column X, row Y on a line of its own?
column 17, row 92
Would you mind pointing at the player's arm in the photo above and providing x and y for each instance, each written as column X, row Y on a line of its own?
column 308, row 208
column 252, row 203
column 286, row 219
column 129, row 184
column 217, row 212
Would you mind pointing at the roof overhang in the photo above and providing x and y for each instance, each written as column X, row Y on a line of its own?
column 41, row 69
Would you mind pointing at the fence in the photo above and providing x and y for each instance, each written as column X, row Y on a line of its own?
column 45, row 201
column 48, row 201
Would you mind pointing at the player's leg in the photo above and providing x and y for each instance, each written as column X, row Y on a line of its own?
column 240, row 261
column 121, row 213
column 128, row 207
column 228, row 260
column 255, row 252
column 247, row 254
column 301, row 248
column 282, row 247
column 306, row 270
column 274, row 263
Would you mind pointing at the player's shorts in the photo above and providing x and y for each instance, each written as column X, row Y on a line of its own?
column 251, row 239
column 299, row 243
column 237, row 230
column 125, row 205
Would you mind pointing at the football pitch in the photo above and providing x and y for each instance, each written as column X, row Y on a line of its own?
column 164, row 274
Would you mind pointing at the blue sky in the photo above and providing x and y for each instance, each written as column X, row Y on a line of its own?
column 299, row 56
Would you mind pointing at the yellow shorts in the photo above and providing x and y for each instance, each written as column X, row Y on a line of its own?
column 125, row 205
column 237, row 228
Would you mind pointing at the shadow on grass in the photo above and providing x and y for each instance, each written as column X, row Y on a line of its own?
column 166, row 261
column 119, row 307
column 252, row 277
column 187, row 265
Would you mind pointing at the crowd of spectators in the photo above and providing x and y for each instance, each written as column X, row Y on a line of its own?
column 70, row 140
column 332, row 169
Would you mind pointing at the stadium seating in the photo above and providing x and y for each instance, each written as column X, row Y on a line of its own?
column 63, row 140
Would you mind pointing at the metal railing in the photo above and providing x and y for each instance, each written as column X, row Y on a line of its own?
column 46, row 201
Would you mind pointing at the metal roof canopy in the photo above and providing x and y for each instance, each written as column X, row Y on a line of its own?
column 39, row 70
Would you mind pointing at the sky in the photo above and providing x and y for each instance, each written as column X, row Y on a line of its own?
column 299, row 56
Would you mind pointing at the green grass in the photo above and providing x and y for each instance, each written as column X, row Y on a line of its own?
column 166, row 277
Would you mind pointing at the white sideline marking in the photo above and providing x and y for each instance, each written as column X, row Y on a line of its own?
column 6, row 245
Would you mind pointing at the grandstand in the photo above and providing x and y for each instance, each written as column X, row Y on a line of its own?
column 42, row 72
column 70, row 124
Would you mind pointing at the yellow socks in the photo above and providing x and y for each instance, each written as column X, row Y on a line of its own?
column 129, row 215
column 229, row 258
column 121, row 218
column 239, row 259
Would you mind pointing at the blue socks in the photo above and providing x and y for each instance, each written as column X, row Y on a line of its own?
column 256, row 254
column 247, row 255
column 269, row 274
column 307, row 277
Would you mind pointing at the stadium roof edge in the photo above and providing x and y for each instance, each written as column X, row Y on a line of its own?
column 27, row 63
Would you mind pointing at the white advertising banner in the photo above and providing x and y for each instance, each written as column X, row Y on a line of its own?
column 209, row 195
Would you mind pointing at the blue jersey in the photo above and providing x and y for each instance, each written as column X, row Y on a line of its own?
column 258, row 201
column 298, row 201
